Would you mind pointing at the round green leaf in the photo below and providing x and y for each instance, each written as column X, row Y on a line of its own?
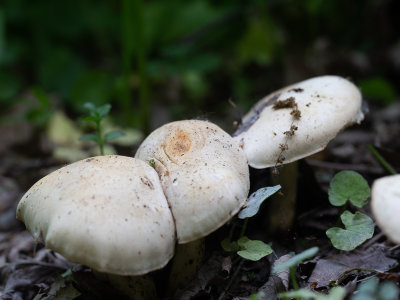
column 348, row 186
column 359, row 228
column 253, row 250
column 256, row 199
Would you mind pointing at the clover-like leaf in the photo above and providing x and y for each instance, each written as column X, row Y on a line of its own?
column 348, row 186
column 112, row 135
column 256, row 199
column 295, row 260
column 252, row 249
column 358, row 228
column 103, row 110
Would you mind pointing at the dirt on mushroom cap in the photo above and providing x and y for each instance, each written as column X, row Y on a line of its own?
column 326, row 104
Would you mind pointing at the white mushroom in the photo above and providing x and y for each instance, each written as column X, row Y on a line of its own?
column 385, row 204
column 106, row 212
column 203, row 172
column 320, row 108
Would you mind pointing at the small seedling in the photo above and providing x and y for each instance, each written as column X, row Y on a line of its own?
column 251, row 249
column 349, row 186
column 96, row 115
column 293, row 262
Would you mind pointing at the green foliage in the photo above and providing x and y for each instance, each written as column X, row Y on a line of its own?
column 249, row 249
column 378, row 89
column 252, row 249
column 336, row 293
column 96, row 115
column 295, row 260
column 358, row 228
column 256, row 199
column 41, row 114
column 348, row 186
column 372, row 290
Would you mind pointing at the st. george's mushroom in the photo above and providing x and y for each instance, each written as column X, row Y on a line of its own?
column 298, row 120
column 203, row 172
column 111, row 212
column 106, row 212
column 385, row 205
column 292, row 123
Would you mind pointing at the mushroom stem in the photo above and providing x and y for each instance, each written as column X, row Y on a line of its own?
column 185, row 264
column 133, row 287
column 282, row 208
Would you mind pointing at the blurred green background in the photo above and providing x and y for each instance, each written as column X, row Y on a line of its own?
column 158, row 61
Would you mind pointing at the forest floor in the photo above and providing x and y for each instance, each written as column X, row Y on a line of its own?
column 30, row 271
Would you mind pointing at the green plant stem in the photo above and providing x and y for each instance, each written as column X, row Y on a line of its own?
column 244, row 227
column 100, row 137
column 381, row 160
column 292, row 272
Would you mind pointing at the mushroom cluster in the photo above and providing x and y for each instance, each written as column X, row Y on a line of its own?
column 124, row 215
column 119, row 215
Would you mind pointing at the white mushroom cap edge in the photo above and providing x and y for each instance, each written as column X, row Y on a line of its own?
column 385, row 205
column 327, row 105
column 106, row 212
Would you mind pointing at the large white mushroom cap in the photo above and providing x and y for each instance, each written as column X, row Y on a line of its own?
column 106, row 212
column 203, row 172
column 327, row 105
column 385, row 204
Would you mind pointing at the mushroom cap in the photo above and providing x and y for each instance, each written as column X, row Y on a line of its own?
column 203, row 172
column 106, row 212
column 327, row 105
column 385, row 205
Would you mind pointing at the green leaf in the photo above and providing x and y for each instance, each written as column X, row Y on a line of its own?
column 336, row 293
column 388, row 291
column 252, row 249
column 112, row 135
column 89, row 106
column 103, row 110
column 378, row 89
column 295, row 260
column 348, row 186
column 372, row 290
column 89, row 137
column 229, row 246
column 256, row 199
column 359, row 228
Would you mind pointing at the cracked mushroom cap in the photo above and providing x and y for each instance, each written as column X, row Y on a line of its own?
column 385, row 204
column 203, row 172
column 106, row 212
column 301, row 119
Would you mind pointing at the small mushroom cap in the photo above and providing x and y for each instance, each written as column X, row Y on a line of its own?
column 385, row 205
column 106, row 212
column 203, row 172
column 327, row 104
